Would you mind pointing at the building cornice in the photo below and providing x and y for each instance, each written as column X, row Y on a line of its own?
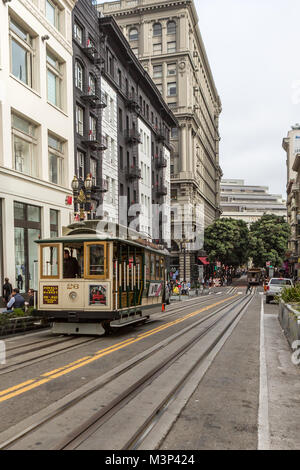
column 139, row 9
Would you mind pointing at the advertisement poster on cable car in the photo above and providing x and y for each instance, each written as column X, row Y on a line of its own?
column 97, row 294
column 155, row 289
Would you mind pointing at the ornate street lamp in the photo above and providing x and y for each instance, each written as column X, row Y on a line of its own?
column 82, row 192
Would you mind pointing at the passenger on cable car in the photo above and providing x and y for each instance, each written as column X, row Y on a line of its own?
column 71, row 266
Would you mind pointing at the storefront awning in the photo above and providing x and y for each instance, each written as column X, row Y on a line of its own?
column 203, row 260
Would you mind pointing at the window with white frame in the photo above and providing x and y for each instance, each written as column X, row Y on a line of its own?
column 79, row 119
column 80, row 164
column 24, row 144
column 54, row 79
column 93, row 128
column 172, row 89
column 157, row 71
column 52, row 13
column 22, row 53
column 92, row 85
column 78, row 33
column 171, row 69
column 56, row 160
column 93, row 168
column 157, row 49
column 78, row 75
column 171, row 47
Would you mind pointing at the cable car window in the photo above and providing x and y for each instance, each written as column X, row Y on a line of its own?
column 152, row 270
column 73, row 260
column 49, row 261
column 157, row 270
column 147, row 264
column 95, row 260
column 162, row 268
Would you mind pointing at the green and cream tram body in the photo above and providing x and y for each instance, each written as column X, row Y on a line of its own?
column 91, row 281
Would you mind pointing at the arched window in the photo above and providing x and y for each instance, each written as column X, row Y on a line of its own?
column 133, row 34
column 171, row 27
column 157, row 29
column 78, row 75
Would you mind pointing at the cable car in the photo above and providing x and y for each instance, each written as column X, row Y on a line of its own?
column 91, row 280
column 254, row 276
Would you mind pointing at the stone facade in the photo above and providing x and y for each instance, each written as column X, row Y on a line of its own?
column 166, row 38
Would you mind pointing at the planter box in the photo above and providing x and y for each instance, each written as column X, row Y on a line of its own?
column 20, row 325
column 289, row 319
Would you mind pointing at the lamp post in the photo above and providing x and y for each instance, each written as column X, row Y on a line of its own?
column 82, row 191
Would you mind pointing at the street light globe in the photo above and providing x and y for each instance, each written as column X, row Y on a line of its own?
column 75, row 183
column 88, row 183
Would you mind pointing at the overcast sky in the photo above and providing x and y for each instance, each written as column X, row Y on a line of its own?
column 254, row 51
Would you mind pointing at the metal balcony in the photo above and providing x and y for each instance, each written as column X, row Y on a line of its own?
column 161, row 162
column 132, row 102
column 94, row 96
column 132, row 136
column 160, row 134
column 133, row 172
column 102, row 187
column 96, row 141
column 162, row 190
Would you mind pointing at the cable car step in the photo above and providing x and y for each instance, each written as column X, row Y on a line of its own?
column 127, row 321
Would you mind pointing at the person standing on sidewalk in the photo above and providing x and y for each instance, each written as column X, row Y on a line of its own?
column 6, row 290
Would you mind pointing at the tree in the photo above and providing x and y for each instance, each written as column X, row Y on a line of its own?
column 227, row 241
column 269, row 240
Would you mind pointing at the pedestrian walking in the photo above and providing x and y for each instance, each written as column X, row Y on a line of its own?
column 6, row 290
column 249, row 288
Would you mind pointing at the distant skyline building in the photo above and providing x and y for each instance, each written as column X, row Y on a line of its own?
column 249, row 203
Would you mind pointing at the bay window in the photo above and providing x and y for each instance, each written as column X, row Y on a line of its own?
column 24, row 143
column 54, row 80
column 22, row 53
column 56, row 160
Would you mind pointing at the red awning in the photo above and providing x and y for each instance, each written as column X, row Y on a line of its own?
column 203, row 260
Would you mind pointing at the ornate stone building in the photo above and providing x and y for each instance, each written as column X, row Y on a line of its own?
column 166, row 38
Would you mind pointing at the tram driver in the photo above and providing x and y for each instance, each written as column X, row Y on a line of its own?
column 71, row 266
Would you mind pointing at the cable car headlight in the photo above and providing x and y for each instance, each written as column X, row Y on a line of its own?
column 72, row 295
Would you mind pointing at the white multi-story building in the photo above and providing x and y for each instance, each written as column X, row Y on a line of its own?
column 36, row 130
column 145, row 183
column 110, row 164
column 249, row 203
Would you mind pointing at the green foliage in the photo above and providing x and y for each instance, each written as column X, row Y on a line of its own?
column 227, row 241
column 17, row 313
column 290, row 295
column 269, row 240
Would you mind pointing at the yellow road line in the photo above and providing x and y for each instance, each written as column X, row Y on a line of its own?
column 54, row 374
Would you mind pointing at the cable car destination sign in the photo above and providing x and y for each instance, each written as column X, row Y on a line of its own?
column 50, row 295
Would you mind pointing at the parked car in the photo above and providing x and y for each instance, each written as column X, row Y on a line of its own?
column 275, row 286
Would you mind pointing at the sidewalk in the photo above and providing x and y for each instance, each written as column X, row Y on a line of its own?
column 283, row 387
column 223, row 412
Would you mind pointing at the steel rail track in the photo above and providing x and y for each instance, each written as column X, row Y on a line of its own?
column 16, row 367
column 112, row 406
column 87, row 429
